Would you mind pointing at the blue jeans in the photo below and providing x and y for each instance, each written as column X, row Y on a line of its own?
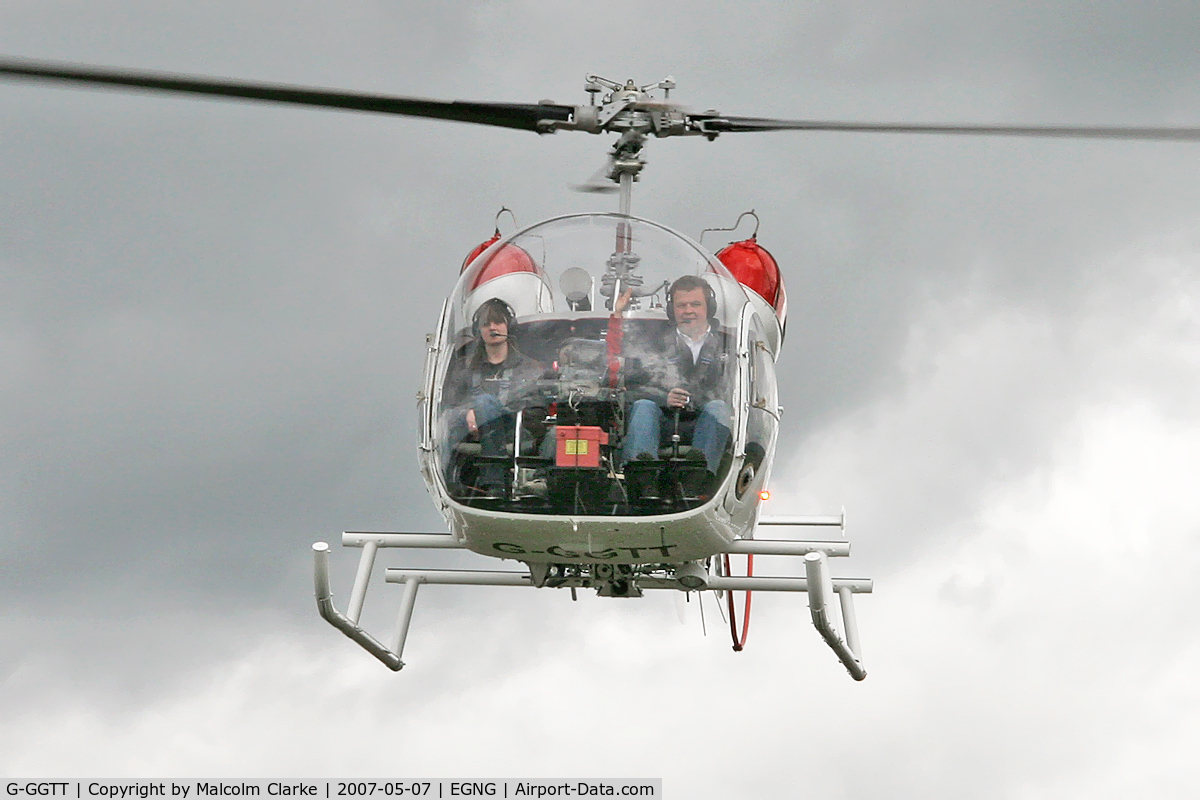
column 494, row 421
column 710, row 437
column 496, row 425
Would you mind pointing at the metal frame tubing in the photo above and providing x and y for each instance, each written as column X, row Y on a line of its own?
column 817, row 582
column 359, row 593
column 821, row 521
column 431, row 540
column 463, row 577
column 787, row 547
column 726, row 583
column 338, row 620
column 820, row 593
column 849, row 621
column 404, row 618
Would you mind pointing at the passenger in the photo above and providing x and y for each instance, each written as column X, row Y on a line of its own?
column 690, row 385
column 486, row 388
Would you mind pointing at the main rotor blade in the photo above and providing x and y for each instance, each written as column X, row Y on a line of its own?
column 530, row 117
column 726, row 124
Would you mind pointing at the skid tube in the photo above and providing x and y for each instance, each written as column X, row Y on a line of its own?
column 693, row 576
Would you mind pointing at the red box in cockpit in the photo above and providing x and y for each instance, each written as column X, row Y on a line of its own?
column 579, row 445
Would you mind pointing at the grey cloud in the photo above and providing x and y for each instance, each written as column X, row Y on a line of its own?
column 213, row 315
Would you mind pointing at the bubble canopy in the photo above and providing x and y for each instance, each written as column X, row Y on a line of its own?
column 549, row 403
column 567, row 267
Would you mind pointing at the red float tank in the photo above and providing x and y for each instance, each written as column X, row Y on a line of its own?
column 474, row 254
column 756, row 270
column 505, row 261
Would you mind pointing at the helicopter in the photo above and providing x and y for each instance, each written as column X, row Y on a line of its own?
column 587, row 471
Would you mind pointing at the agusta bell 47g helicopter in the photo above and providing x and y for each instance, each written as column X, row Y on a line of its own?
column 599, row 400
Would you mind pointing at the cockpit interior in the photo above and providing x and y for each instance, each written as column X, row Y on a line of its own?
column 568, row 384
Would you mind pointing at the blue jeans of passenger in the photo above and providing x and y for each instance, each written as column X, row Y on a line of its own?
column 494, row 421
column 710, row 436
column 496, row 426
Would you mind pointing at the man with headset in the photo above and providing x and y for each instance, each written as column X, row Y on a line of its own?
column 487, row 387
column 690, row 386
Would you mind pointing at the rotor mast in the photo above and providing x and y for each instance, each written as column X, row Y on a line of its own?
column 621, row 272
column 625, row 162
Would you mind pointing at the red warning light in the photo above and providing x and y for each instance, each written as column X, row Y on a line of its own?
column 764, row 495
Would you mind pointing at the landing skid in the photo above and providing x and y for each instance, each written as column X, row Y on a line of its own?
column 620, row 580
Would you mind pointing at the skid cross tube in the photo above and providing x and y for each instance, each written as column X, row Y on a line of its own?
column 693, row 576
column 420, row 540
column 838, row 522
column 480, row 577
column 758, row 583
column 786, row 547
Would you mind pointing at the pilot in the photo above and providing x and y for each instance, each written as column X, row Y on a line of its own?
column 486, row 388
column 690, row 386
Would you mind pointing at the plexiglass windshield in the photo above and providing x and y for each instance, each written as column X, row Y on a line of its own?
column 588, row 367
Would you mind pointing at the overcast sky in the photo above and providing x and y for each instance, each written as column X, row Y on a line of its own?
column 212, row 319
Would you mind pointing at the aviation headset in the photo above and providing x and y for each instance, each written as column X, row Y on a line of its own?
column 687, row 283
column 485, row 310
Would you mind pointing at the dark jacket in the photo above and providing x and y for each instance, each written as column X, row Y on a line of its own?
column 514, row 381
column 660, row 364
